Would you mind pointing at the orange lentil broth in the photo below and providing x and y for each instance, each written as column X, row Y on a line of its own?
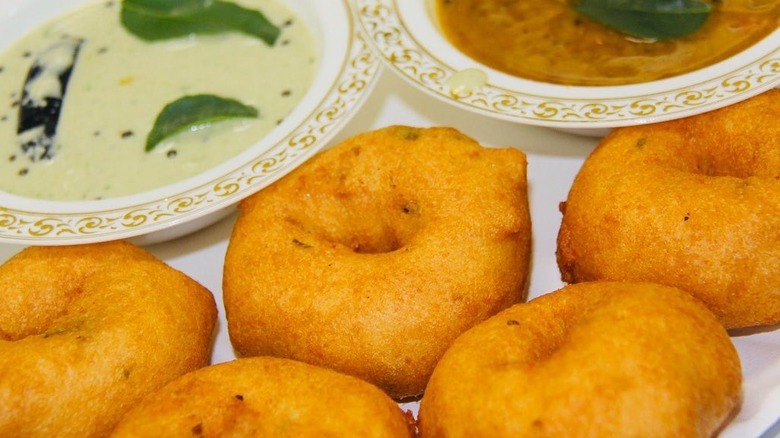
column 547, row 40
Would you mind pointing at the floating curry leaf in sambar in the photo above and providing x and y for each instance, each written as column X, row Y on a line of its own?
column 164, row 19
column 192, row 111
column 652, row 19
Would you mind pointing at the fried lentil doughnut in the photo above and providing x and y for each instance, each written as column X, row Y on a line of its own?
column 264, row 396
column 374, row 255
column 691, row 203
column 594, row 359
column 86, row 331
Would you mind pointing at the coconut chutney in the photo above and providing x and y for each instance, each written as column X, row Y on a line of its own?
column 118, row 84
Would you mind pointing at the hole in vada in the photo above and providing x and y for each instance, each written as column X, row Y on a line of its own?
column 378, row 244
column 383, row 226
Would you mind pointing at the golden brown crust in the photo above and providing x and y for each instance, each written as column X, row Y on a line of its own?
column 692, row 203
column 86, row 331
column 592, row 359
column 263, row 396
column 372, row 256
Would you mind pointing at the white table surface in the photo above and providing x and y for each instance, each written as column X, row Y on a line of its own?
column 554, row 158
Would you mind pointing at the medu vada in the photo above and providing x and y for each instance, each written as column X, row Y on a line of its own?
column 692, row 203
column 597, row 359
column 87, row 331
column 262, row 397
column 371, row 257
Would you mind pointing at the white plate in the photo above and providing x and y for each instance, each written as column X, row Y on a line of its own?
column 405, row 35
column 553, row 160
column 346, row 75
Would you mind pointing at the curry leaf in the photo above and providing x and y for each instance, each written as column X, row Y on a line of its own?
column 164, row 19
column 652, row 19
column 190, row 112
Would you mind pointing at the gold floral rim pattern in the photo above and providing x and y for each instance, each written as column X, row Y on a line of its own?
column 355, row 81
column 397, row 45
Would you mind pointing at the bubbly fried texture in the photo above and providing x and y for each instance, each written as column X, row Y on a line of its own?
column 594, row 359
column 262, row 397
column 86, row 331
column 692, row 203
column 373, row 256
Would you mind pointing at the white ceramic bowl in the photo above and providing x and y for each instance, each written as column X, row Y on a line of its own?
column 347, row 72
column 405, row 35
